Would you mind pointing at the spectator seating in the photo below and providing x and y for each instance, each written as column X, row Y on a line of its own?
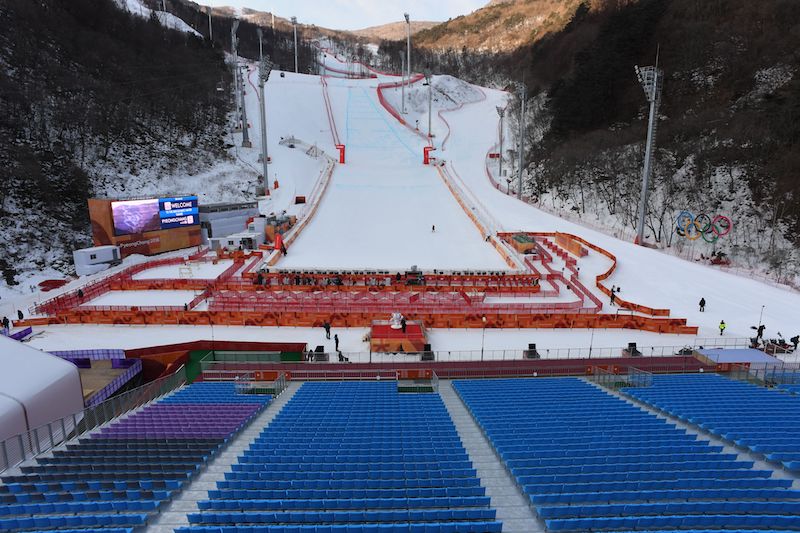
column 351, row 457
column 113, row 480
column 591, row 461
column 766, row 421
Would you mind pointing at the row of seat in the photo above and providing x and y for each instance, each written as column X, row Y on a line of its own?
column 417, row 527
column 344, row 504
column 718, row 522
column 329, row 517
column 373, row 494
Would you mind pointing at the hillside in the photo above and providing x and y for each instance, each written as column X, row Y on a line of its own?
column 393, row 31
column 500, row 26
column 95, row 99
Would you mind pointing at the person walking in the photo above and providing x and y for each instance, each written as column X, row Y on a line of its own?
column 702, row 305
column 760, row 331
column 20, row 316
column 327, row 328
column 336, row 341
column 722, row 327
column 403, row 324
column 795, row 341
column 613, row 295
column 433, row 229
column 5, row 323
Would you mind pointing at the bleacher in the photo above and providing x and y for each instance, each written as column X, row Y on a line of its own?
column 114, row 480
column 591, row 461
column 766, row 421
column 351, row 457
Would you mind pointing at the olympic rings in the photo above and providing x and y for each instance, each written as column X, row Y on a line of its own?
column 694, row 227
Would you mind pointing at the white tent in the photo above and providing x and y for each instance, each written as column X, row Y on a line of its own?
column 35, row 388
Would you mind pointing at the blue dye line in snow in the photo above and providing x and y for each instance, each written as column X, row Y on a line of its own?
column 380, row 113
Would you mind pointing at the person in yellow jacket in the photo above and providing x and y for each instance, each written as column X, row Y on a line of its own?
column 722, row 327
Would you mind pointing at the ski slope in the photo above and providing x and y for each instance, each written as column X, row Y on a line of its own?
column 382, row 204
column 646, row 276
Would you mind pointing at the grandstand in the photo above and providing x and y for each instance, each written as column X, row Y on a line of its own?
column 355, row 454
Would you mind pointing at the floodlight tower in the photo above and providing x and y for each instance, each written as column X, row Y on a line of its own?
column 234, row 27
column 652, row 80
column 264, row 69
column 240, row 86
column 408, row 45
column 402, row 83
column 294, row 25
column 501, row 111
column 522, row 92
column 429, row 81
column 210, row 30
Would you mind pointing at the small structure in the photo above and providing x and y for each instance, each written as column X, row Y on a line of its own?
column 95, row 259
column 522, row 243
column 384, row 337
column 222, row 220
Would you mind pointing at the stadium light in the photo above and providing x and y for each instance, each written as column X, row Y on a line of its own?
column 294, row 26
column 264, row 69
column 652, row 80
column 501, row 111
column 522, row 92
column 429, row 81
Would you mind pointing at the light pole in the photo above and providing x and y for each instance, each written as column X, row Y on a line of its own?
column 210, row 30
column 402, row 83
column 483, row 335
column 294, row 26
column 264, row 68
column 429, row 81
column 761, row 316
column 652, row 80
column 501, row 111
column 408, row 47
column 522, row 92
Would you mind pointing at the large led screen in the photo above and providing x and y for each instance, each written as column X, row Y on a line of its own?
column 139, row 216
column 135, row 216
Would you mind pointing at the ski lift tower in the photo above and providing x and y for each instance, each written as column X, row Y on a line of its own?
column 652, row 80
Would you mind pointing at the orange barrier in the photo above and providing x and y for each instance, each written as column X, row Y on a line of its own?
column 365, row 319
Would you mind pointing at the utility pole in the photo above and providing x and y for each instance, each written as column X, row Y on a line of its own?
column 234, row 27
column 408, row 47
column 429, row 81
column 264, row 68
column 294, row 25
column 522, row 91
column 402, row 84
column 245, row 137
column 210, row 30
column 652, row 80
column 501, row 111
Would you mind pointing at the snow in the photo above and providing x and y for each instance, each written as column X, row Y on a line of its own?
column 462, row 344
column 199, row 270
column 143, row 298
column 647, row 276
column 166, row 19
column 382, row 204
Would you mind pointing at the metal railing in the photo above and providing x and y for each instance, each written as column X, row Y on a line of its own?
column 610, row 380
column 435, row 382
column 769, row 374
column 37, row 441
